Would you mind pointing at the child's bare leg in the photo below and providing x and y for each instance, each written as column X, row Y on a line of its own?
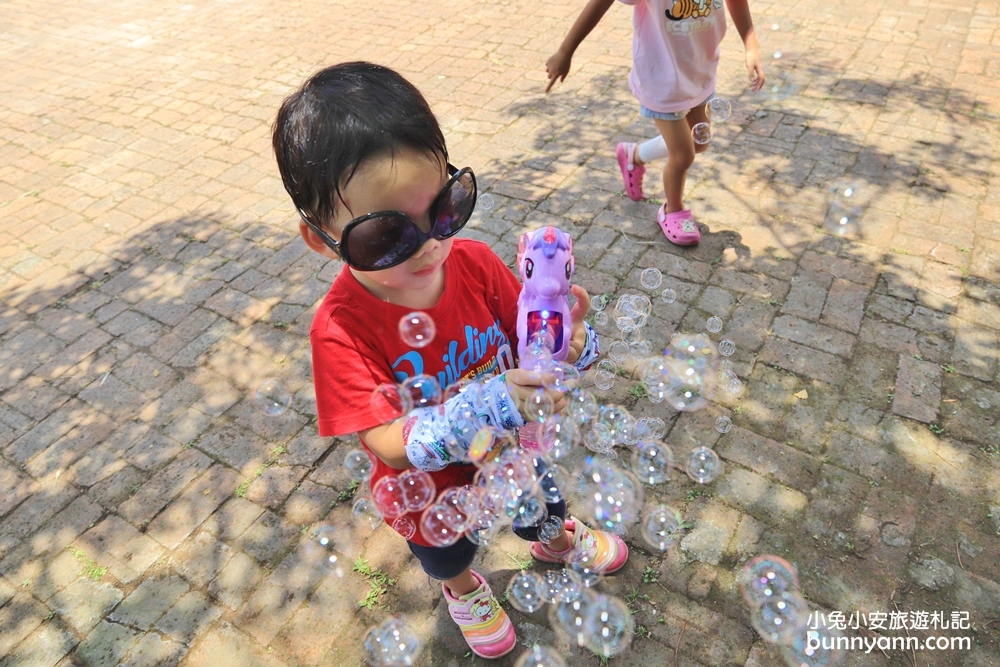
column 680, row 157
column 463, row 584
column 697, row 115
column 561, row 542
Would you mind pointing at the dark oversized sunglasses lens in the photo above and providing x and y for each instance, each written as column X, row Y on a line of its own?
column 455, row 206
column 381, row 242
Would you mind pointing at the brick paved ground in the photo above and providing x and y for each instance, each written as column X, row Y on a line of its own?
column 151, row 276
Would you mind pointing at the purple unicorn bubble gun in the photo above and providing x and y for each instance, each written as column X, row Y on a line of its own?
column 545, row 261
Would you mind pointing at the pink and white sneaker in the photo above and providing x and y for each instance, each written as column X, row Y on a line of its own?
column 603, row 552
column 483, row 622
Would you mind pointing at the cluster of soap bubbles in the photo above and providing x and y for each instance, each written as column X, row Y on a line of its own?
column 392, row 643
column 599, row 622
column 779, row 613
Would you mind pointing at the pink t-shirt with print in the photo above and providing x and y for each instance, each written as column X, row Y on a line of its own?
column 675, row 51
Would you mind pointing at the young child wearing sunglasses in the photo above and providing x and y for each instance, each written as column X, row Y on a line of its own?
column 675, row 54
column 365, row 163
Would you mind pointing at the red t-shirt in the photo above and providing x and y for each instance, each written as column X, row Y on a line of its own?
column 356, row 346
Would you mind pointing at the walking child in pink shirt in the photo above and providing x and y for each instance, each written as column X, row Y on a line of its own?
column 675, row 55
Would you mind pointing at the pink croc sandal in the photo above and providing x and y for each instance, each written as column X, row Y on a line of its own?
column 679, row 227
column 631, row 172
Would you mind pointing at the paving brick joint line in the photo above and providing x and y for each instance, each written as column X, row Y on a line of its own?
column 151, row 277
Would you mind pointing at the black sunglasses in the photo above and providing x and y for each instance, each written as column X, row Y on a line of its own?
column 384, row 239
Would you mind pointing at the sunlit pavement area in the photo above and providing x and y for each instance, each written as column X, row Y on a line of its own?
column 151, row 276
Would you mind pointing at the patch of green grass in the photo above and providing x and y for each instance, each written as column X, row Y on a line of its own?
column 692, row 494
column 347, row 494
column 91, row 569
column 935, row 429
column 622, row 373
column 650, row 575
column 990, row 450
column 241, row 490
column 641, row 631
column 379, row 584
column 281, row 325
column 947, row 368
column 520, row 563
column 738, row 410
column 638, row 391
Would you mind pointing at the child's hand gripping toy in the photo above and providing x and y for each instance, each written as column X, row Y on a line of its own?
column 545, row 261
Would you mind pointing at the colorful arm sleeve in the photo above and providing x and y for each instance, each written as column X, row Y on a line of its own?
column 439, row 435
column 591, row 350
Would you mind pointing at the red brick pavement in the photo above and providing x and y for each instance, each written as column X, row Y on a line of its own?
column 150, row 277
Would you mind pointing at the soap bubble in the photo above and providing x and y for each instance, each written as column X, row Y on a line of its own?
column 604, row 380
column 777, row 55
column 608, row 626
column 417, row 329
column 538, row 406
column 714, row 324
column 559, row 436
column 566, row 617
column 389, row 402
column 418, row 489
column 725, row 365
column 392, row 644
column 272, row 398
column 723, row 424
column 651, row 278
column 582, row 406
column 524, row 591
column 358, row 464
column 388, row 496
column 365, row 513
column 814, row 646
column 661, row 527
column 405, row 526
column 668, row 295
column 765, row 577
column 775, row 26
column 530, row 511
column 550, row 529
column 779, row 618
column 598, row 438
column 685, row 376
column 718, row 109
column 540, row 656
column 325, row 549
column 704, row 465
column 561, row 585
column 731, row 382
column 599, row 302
column 441, row 525
column 844, row 211
column 701, row 133
column 653, row 461
column 561, row 376
column 618, row 351
column 657, row 428
column 423, row 390
column 550, row 484
column 601, row 318
column 486, row 201
column 727, row 347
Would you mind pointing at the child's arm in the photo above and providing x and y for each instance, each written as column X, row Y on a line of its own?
column 740, row 11
column 422, row 438
column 557, row 66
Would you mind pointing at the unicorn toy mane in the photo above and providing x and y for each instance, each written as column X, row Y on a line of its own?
column 545, row 262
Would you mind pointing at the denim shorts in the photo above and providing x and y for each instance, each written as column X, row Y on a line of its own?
column 662, row 115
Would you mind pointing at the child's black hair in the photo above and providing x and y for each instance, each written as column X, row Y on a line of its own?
column 342, row 116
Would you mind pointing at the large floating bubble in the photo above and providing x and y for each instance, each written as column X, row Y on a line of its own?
column 423, row 390
column 701, row 133
column 525, row 591
column 392, row 644
column 272, row 398
column 358, row 464
column 814, row 646
column 765, row 577
column 325, row 549
column 718, row 109
column 780, row 618
column 686, row 375
column 417, row 329
column 653, row 461
column 388, row 496
column 442, row 525
column 608, row 626
column 704, row 465
column 651, row 278
column 389, row 402
column 567, row 617
column 662, row 527
column 540, row 656
column 418, row 489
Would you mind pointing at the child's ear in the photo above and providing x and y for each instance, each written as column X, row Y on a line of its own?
column 313, row 240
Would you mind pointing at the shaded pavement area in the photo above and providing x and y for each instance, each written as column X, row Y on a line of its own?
column 151, row 276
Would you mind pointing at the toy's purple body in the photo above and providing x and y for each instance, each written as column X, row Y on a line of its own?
column 545, row 261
